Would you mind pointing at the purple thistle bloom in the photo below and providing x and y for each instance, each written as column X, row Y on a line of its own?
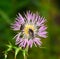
column 31, row 27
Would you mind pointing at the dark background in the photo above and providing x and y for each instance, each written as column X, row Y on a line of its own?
column 50, row 9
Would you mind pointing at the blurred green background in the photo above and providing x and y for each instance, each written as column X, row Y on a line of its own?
column 50, row 9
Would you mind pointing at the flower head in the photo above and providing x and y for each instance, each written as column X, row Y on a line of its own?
column 31, row 28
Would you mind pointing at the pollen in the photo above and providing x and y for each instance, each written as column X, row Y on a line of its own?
column 27, row 27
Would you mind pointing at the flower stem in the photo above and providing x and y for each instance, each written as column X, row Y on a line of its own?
column 25, row 53
column 14, row 57
column 25, row 57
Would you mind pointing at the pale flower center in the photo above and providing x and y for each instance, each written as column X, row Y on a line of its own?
column 27, row 28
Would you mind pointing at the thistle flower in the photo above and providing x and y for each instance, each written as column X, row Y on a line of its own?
column 30, row 29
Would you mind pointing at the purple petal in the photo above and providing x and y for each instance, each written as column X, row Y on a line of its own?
column 21, row 18
column 18, row 22
column 15, row 26
column 18, row 41
column 42, row 28
column 30, row 43
column 28, row 16
column 41, row 21
column 42, row 35
column 33, row 18
column 37, row 41
column 25, row 42
column 17, row 37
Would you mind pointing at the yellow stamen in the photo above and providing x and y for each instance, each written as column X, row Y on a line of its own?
column 27, row 27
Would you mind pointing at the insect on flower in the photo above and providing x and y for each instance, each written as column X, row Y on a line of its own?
column 31, row 28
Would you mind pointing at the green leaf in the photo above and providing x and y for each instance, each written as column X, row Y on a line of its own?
column 5, row 17
column 5, row 56
column 9, row 49
column 17, row 50
column 24, row 52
